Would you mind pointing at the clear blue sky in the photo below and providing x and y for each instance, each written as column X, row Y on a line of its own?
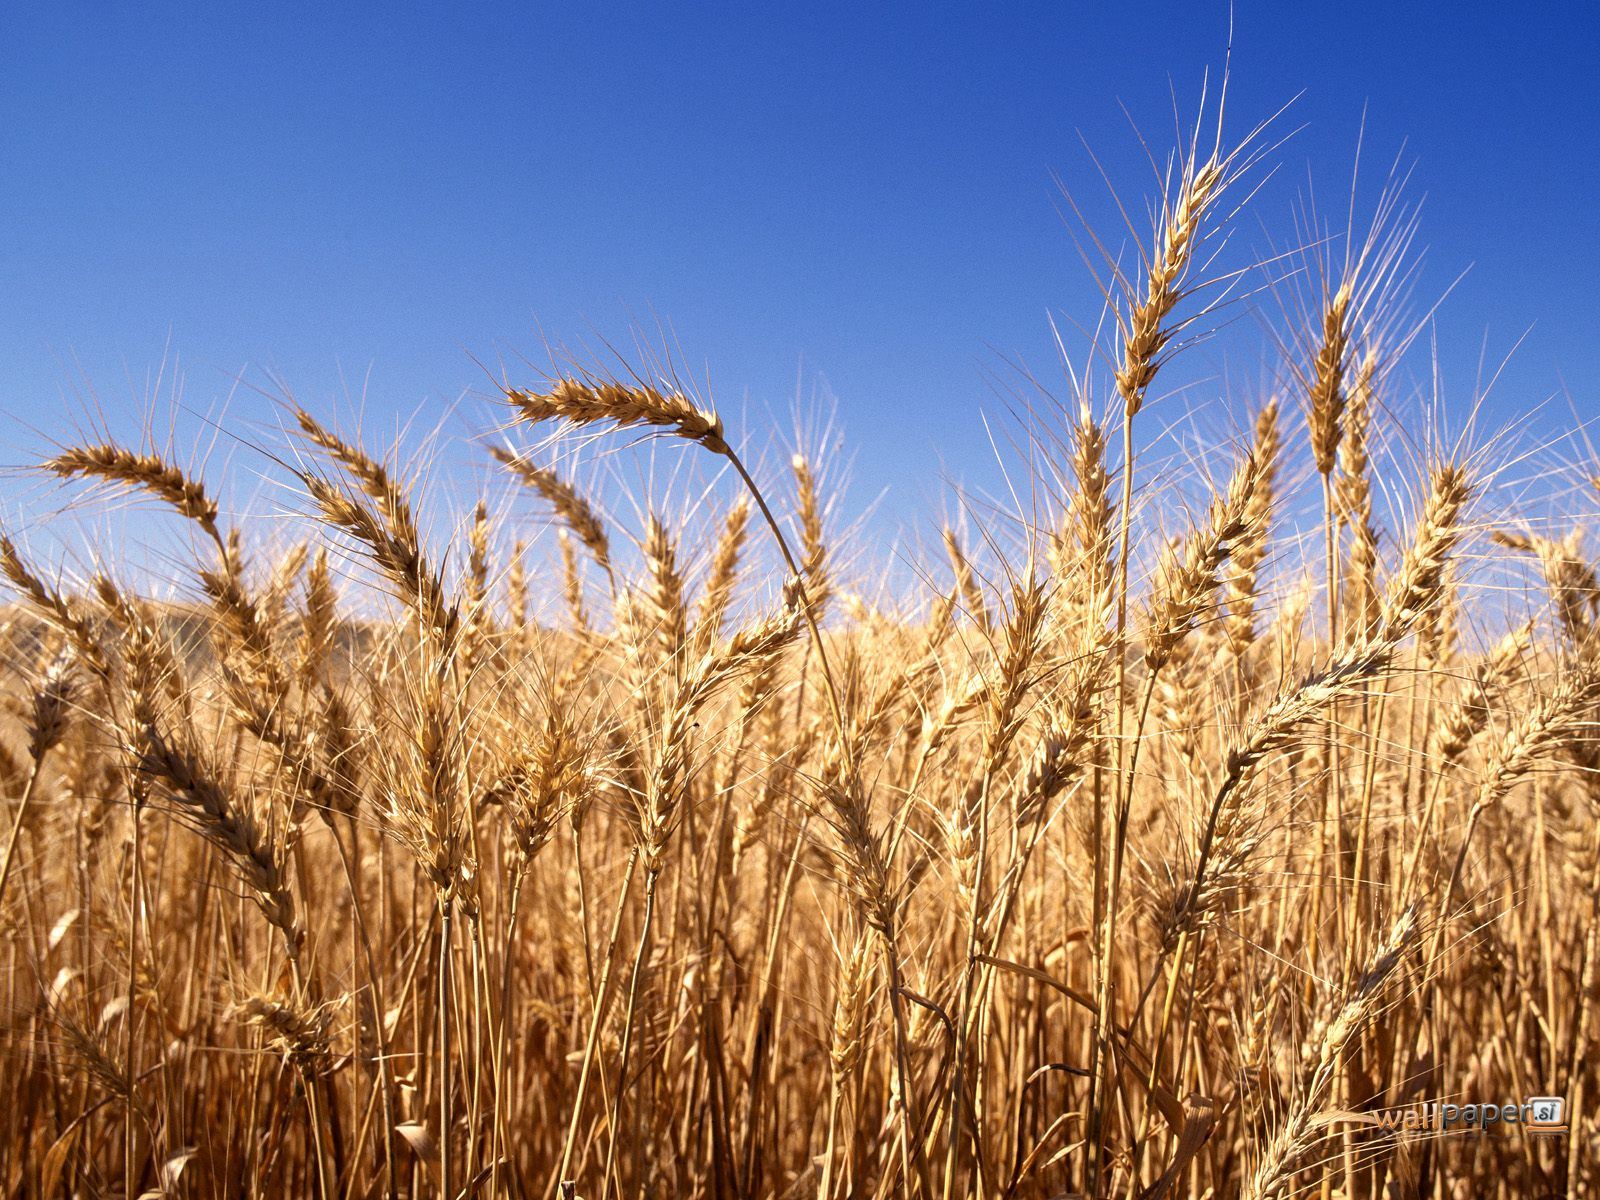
column 865, row 188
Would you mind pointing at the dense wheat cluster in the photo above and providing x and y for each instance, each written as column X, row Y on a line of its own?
column 1159, row 846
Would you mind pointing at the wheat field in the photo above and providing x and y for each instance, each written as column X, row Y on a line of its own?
column 1175, row 834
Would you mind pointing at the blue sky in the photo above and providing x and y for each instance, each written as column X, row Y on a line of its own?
column 860, row 195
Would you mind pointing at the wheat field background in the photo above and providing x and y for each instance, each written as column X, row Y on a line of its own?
column 1168, row 834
